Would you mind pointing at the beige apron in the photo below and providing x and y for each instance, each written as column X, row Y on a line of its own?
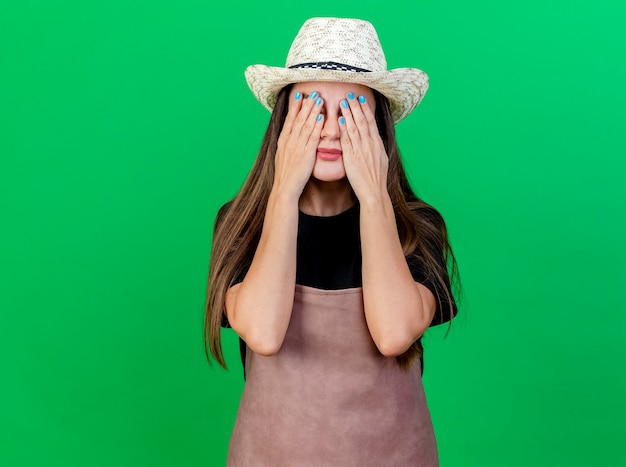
column 328, row 397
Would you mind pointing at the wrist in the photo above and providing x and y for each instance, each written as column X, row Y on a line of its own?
column 283, row 198
column 376, row 201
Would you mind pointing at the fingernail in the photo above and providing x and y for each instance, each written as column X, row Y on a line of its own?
column 319, row 118
column 342, row 120
column 297, row 96
column 362, row 99
column 313, row 94
column 344, row 104
column 318, row 101
column 350, row 96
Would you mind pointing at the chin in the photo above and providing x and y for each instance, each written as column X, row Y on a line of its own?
column 329, row 177
column 329, row 172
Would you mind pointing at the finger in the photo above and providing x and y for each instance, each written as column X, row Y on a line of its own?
column 305, row 120
column 346, row 143
column 349, row 123
column 314, row 139
column 294, row 108
column 370, row 118
column 358, row 115
column 310, row 120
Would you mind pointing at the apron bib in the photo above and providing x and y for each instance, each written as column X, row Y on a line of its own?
column 328, row 397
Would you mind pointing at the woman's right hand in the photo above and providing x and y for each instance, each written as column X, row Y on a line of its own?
column 297, row 143
column 259, row 308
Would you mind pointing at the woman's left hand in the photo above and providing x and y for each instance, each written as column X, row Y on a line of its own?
column 364, row 155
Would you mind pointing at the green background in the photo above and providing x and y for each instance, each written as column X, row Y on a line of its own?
column 124, row 125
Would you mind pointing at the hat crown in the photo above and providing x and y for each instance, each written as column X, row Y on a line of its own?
column 346, row 41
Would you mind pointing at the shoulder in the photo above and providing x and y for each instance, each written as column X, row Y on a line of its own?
column 221, row 214
column 424, row 212
column 224, row 209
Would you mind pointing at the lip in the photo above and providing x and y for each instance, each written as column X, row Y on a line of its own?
column 329, row 154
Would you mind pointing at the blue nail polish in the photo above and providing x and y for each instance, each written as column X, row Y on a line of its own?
column 297, row 97
column 313, row 94
column 362, row 99
column 319, row 118
column 350, row 96
column 344, row 104
column 318, row 101
column 342, row 120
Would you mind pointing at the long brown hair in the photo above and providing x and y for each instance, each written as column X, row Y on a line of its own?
column 238, row 225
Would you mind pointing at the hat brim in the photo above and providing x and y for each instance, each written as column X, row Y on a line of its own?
column 404, row 87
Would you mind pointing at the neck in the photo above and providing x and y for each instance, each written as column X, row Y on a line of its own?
column 326, row 198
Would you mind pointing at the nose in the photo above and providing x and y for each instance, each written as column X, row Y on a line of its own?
column 330, row 130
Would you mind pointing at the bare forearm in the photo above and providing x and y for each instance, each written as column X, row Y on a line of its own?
column 259, row 309
column 397, row 310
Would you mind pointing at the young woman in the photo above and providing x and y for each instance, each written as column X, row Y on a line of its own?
column 328, row 266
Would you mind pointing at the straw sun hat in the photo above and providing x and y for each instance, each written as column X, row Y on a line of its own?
column 342, row 50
